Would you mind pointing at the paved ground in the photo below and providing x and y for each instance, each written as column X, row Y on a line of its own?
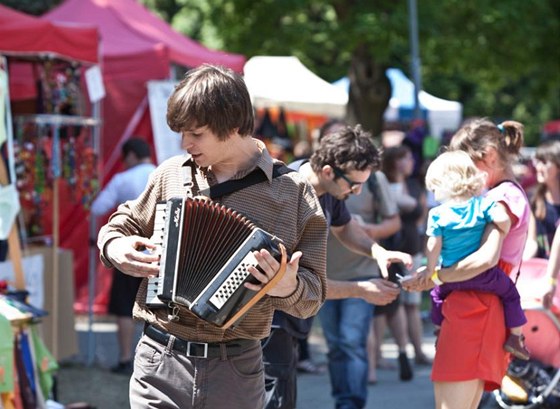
column 96, row 385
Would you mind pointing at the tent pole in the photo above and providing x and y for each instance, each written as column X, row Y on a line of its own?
column 8, row 176
column 414, row 50
column 92, row 274
column 9, row 126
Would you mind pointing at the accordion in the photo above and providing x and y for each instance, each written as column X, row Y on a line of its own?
column 206, row 250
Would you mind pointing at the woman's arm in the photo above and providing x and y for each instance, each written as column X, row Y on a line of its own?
column 488, row 253
column 481, row 260
column 552, row 269
column 531, row 245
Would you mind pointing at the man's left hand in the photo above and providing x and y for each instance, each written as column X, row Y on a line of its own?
column 270, row 266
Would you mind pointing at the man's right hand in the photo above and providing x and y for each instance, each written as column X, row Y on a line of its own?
column 128, row 255
column 378, row 291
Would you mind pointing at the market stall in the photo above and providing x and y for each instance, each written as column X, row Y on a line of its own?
column 138, row 46
column 48, row 144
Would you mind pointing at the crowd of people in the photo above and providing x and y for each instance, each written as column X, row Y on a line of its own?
column 358, row 222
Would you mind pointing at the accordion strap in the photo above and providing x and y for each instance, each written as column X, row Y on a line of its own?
column 256, row 176
column 262, row 292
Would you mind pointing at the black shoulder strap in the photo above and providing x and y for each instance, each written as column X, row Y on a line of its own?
column 256, row 176
column 372, row 184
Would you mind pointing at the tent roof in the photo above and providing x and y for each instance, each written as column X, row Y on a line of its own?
column 402, row 93
column 286, row 82
column 128, row 28
column 27, row 36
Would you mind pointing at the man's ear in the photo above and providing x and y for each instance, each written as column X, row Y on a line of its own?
column 327, row 172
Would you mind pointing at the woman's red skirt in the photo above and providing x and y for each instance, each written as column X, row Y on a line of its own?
column 470, row 344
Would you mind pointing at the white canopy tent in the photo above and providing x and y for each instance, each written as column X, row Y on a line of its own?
column 286, row 82
column 441, row 114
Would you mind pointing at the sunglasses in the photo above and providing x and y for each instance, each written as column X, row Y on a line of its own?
column 340, row 174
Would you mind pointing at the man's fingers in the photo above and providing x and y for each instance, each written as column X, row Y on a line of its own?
column 266, row 262
column 295, row 258
column 145, row 257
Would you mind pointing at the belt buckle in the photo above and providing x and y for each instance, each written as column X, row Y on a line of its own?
column 203, row 344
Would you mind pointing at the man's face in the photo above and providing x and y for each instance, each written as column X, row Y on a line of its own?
column 204, row 146
column 343, row 184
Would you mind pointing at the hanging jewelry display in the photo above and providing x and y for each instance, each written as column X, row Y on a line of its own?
column 60, row 88
column 53, row 150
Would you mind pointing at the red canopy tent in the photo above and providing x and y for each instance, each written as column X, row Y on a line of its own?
column 28, row 42
column 137, row 46
column 22, row 35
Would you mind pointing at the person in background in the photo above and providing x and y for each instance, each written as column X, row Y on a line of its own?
column 455, row 230
column 339, row 168
column 305, row 362
column 377, row 212
column 414, row 139
column 124, row 186
column 392, row 315
column 470, row 357
column 552, row 271
column 410, row 238
column 181, row 360
column 545, row 201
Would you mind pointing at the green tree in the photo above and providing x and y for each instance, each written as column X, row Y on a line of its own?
column 500, row 59
column 334, row 39
column 33, row 7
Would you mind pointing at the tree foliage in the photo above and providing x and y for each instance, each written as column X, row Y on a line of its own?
column 500, row 59
column 33, row 7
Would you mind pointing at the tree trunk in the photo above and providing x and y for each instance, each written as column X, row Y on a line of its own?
column 369, row 93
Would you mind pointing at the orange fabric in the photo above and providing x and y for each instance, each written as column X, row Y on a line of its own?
column 505, row 266
column 470, row 344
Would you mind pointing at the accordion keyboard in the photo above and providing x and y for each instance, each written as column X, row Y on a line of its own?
column 233, row 282
column 154, row 283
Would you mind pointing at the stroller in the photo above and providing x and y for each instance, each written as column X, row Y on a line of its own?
column 535, row 383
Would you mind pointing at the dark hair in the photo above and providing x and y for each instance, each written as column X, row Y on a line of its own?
column 211, row 96
column 347, row 149
column 548, row 151
column 478, row 134
column 138, row 146
column 332, row 125
column 389, row 160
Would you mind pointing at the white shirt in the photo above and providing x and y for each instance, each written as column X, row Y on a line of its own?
column 123, row 186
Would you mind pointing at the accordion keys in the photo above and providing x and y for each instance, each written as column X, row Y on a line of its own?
column 206, row 252
column 155, row 284
column 233, row 282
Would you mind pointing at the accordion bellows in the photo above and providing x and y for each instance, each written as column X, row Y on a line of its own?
column 206, row 250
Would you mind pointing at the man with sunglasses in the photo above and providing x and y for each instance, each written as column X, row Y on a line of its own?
column 339, row 168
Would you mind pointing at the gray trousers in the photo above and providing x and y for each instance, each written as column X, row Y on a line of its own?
column 164, row 378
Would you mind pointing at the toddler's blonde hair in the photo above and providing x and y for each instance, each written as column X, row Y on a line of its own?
column 453, row 174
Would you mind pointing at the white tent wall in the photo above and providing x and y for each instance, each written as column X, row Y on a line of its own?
column 442, row 115
column 286, row 82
